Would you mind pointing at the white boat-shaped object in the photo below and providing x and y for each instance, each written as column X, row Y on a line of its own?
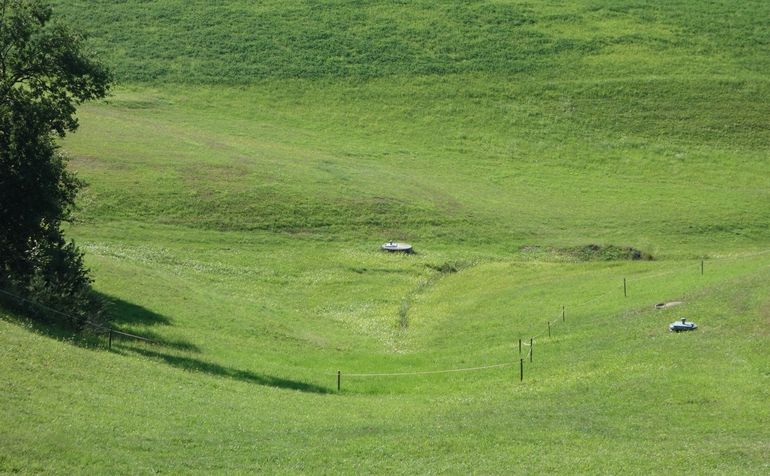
column 682, row 325
column 395, row 246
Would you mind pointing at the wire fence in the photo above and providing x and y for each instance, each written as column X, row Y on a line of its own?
column 100, row 329
column 550, row 324
column 431, row 372
column 557, row 320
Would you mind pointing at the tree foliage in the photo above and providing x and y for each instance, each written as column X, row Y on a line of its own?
column 45, row 73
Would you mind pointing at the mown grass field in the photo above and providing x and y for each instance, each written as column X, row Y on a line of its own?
column 255, row 155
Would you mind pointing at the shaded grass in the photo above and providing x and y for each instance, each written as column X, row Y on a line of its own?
column 197, row 365
column 123, row 312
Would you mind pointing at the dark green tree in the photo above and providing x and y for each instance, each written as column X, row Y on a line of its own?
column 45, row 73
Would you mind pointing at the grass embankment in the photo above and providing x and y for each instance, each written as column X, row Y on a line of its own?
column 254, row 158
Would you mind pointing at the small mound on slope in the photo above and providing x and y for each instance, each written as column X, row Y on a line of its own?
column 590, row 252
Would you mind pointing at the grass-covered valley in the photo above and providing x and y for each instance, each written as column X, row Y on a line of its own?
column 255, row 155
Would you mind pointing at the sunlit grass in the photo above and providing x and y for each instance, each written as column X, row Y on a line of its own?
column 254, row 157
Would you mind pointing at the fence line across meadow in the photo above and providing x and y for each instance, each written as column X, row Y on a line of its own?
column 339, row 373
column 550, row 325
column 430, row 372
column 110, row 332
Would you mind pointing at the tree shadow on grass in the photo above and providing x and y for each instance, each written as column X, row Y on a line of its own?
column 154, row 338
column 196, row 365
column 122, row 312
column 127, row 312
column 44, row 321
column 44, row 327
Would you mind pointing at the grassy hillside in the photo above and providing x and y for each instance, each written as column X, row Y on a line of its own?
column 610, row 390
column 256, row 154
column 444, row 164
column 240, row 41
column 452, row 123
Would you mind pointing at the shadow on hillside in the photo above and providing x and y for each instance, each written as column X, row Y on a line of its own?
column 43, row 321
column 196, row 365
column 156, row 339
column 42, row 326
column 122, row 312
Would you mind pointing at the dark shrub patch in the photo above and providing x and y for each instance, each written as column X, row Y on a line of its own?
column 590, row 252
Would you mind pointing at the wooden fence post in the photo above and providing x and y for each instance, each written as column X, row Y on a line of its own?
column 625, row 292
column 549, row 328
column 109, row 343
column 521, row 370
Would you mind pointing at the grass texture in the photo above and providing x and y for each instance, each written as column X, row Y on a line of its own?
column 255, row 155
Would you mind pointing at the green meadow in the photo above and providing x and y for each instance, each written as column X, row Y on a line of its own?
column 254, row 156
